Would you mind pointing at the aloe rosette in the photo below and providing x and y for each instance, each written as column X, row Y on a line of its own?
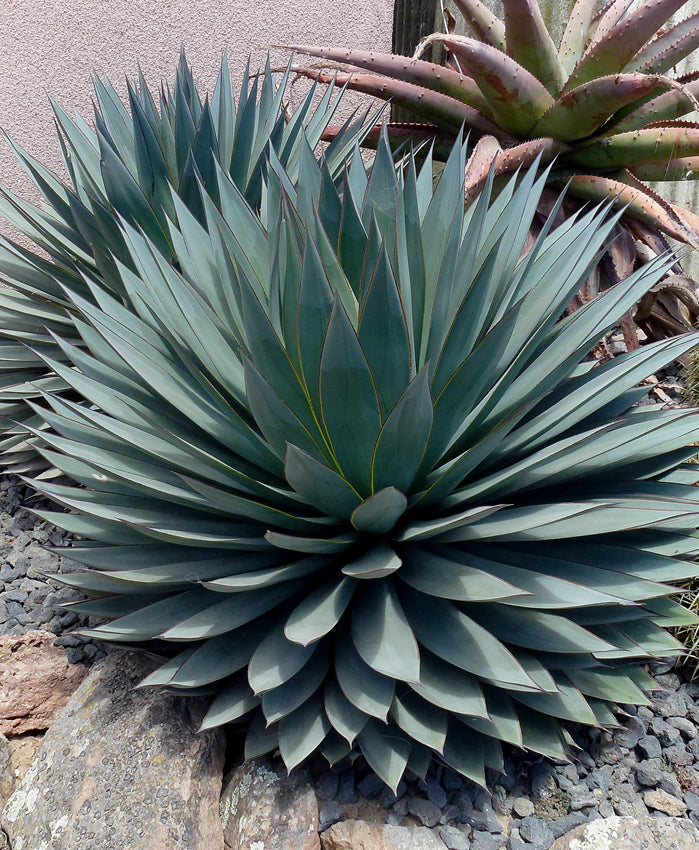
column 353, row 477
column 130, row 166
column 604, row 103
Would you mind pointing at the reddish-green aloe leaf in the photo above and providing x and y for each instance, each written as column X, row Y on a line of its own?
column 574, row 38
column 529, row 43
column 517, row 99
column 638, row 204
column 607, row 18
column 425, row 74
column 666, row 107
column 432, row 106
column 482, row 22
column 400, row 134
column 624, row 150
column 668, row 48
column 506, row 161
column 613, row 52
column 685, row 168
column 581, row 111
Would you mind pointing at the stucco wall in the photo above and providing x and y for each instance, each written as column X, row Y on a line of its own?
column 51, row 47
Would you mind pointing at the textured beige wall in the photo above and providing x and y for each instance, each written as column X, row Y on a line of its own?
column 51, row 47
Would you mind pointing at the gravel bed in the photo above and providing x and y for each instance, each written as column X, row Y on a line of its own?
column 29, row 597
column 649, row 767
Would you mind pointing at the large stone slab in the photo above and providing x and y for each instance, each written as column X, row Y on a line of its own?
column 615, row 833
column 36, row 681
column 357, row 835
column 264, row 809
column 121, row 768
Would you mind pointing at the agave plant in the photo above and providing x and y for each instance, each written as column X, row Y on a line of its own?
column 602, row 104
column 139, row 158
column 355, row 479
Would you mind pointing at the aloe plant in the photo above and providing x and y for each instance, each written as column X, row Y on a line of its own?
column 345, row 470
column 603, row 103
column 139, row 162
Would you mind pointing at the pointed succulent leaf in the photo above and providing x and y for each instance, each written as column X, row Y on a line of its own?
column 383, row 334
column 260, row 739
column 278, row 422
column 607, row 18
column 378, row 561
column 231, row 703
column 214, row 660
column 463, row 751
column 483, row 23
column 367, row 690
column 488, row 658
column 437, row 576
column 638, row 204
column 380, row 512
column 276, row 660
column 450, row 687
column 503, row 162
column 421, row 721
column 426, row 75
column 611, row 53
column 344, row 717
column 668, row 48
column 530, row 44
column 387, row 753
column 517, row 99
column 382, row 633
column 609, row 684
column 683, row 168
column 575, row 34
column 346, row 382
column 502, row 722
column 312, row 545
column 302, row 731
column 319, row 485
column 434, row 107
column 581, row 111
column 320, row 611
column 403, row 438
column 637, row 147
column 287, row 697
